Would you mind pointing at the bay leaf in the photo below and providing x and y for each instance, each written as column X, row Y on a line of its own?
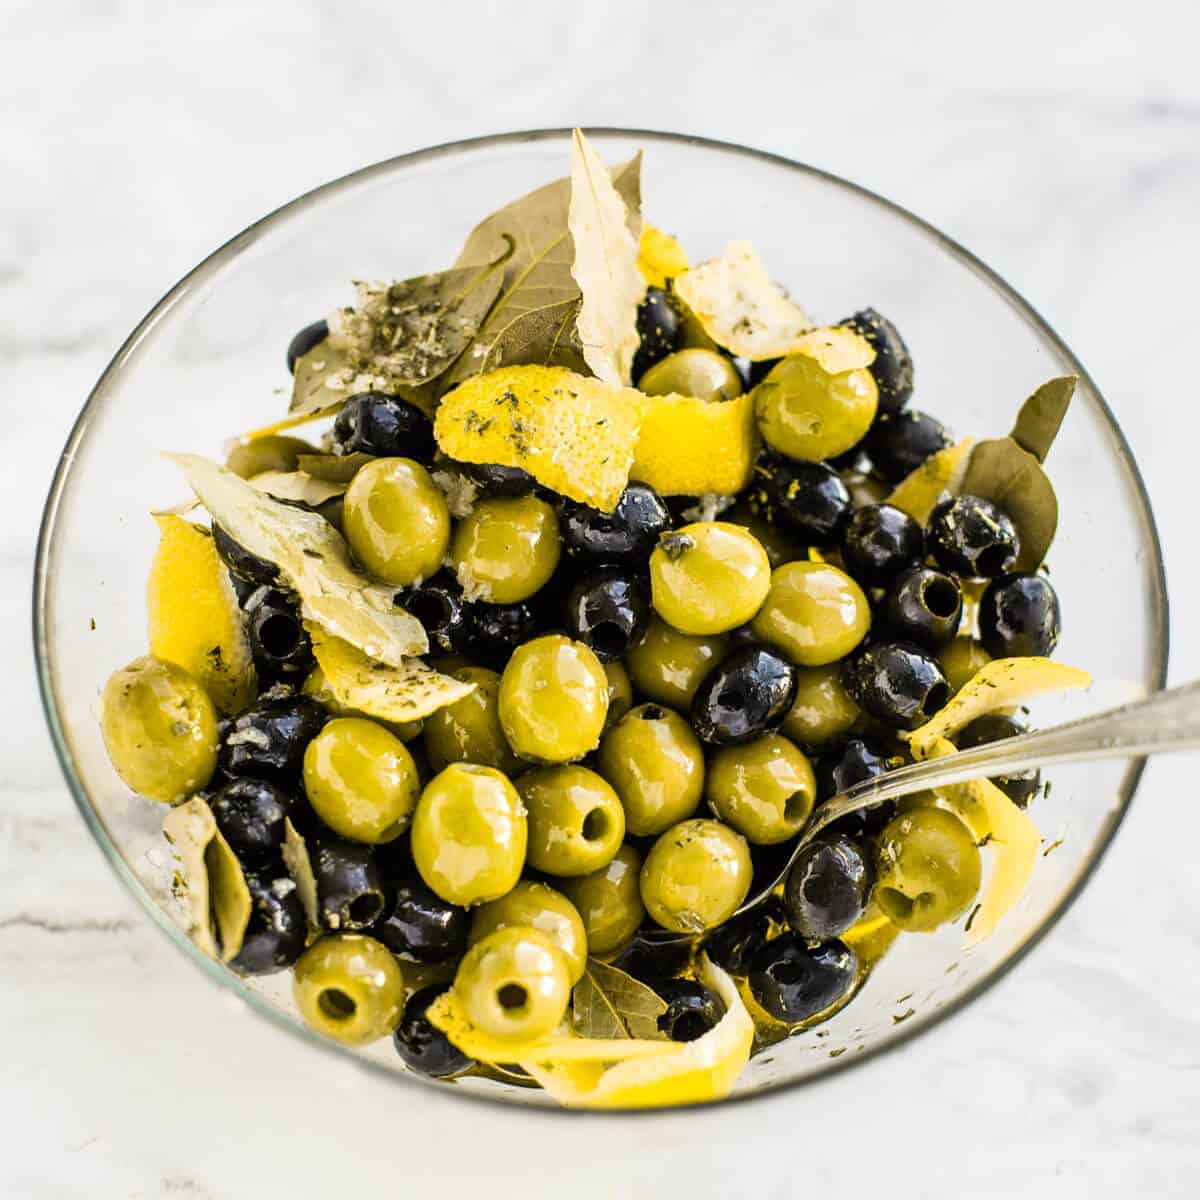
column 299, row 866
column 534, row 319
column 605, row 267
column 1042, row 415
column 297, row 486
column 336, row 468
column 1011, row 477
column 608, row 1003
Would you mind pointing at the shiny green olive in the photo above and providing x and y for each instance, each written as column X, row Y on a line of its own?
column 704, row 374
column 656, row 763
column 708, row 577
column 360, row 780
column 349, row 987
column 696, row 876
column 928, row 869
column 780, row 545
column 960, row 659
column 396, row 520
column 469, row 729
column 576, row 822
column 806, row 413
column 469, row 834
column 609, row 901
column 274, row 453
column 815, row 613
column 514, row 984
column 667, row 665
column 506, row 549
column 822, row 709
column 537, row 906
column 764, row 789
column 160, row 729
column 553, row 699
column 620, row 693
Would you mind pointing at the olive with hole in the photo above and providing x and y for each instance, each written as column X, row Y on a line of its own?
column 880, row 542
column 268, row 741
column 703, row 374
column 1019, row 616
column 421, row 926
column 469, row 729
column 668, row 666
column 746, row 695
column 506, row 549
column 822, row 710
column 608, row 611
column 514, row 984
column 810, row 500
column 994, row 727
column 814, row 612
column 351, row 891
column 537, row 906
column 576, row 822
column 386, row 426
column 277, row 931
column 795, row 982
column 892, row 369
column 765, row 789
column 924, row 606
column 828, row 887
column 897, row 683
column 244, row 566
column 973, row 537
column 928, row 868
column 656, row 764
column 350, row 988
column 469, row 834
column 496, row 630
column 659, row 328
column 620, row 693
column 627, row 534
column 692, row 1009
column 159, row 728
column 279, row 643
column 696, row 876
column 306, row 339
column 609, row 901
column 250, row 813
column 733, row 945
column 900, row 442
column 444, row 614
column 423, row 1047
column 276, row 452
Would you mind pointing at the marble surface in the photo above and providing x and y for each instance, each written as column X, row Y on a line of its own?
column 1060, row 142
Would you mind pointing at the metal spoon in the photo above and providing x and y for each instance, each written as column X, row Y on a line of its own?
column 1166, row 721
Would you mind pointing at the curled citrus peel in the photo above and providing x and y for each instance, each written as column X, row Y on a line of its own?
column 941, row 474
column 660, row 256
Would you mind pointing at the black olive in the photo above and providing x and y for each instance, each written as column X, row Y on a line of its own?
column 880, row 541
column 439, row 605
column 734, row 944
column 1019, row 616
column 992, row 727
column 659, row 327
column 923, row 605
column 896, row 683
column 492, row 479
column 654, row 954
column 898, row 443
column 304, row 341
column 279, row 642
column 748, row 693
column 375, row 423
column 250, row 814
column 692, row 1009
column 893, row 367
column 628, row 534
column 973, row 537
column 811, row 499
column 351, row 892
column 608, row 611
column 241, row 563
column 423, row 1047
column 794, row 982
column 268, row 741
column 496, row 630
column 420, row 925
column 828, row 887
column 277, row 931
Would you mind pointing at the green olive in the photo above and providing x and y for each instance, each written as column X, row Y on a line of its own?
column 514, row 984
column 815, row 613
column 469, row 729
column 160, row 729
column 805, row 412
column 576, row 822
column 667, row 665
column 708, row 577
column 396, row 521
column 350, row 988
column 704, row 374
column 553, row 699
column 764, row 789
column 620, row 693
column 537, row 906
column 928, row 869
column 960, row 659
column 469, row 834
column 507, row 549
column 360, row 780
column 696, row 876
column 781, row 546
column 822, row 709
column 656, row 763
column 274, row 453
column 609, row 901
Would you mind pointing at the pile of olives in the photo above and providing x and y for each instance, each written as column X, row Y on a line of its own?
column 658, row 702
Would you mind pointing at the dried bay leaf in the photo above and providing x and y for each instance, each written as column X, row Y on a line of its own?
column 299, row 867
column 1041, row 416
column 336, row 468
column 297, row 486
column 1012, row 478
column 608, row 1003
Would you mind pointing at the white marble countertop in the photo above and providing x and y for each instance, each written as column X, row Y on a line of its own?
column 1061, row 142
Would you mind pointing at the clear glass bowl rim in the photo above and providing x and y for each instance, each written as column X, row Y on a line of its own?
column 242, row 241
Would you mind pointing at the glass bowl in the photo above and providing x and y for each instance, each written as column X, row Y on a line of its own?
column 208, row 361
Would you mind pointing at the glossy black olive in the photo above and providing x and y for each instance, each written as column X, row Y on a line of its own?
column 692, row 1009
column 748, row 693
column 795, row 982
column 973, row 537
column 653, row 954
column 241, row 563
column 923, row 605
column 608, row 611
column 277, row 931
column 880, row 541
column 828, row 887
column 628, row 534
column 420, row 925
column 898, row 443
column 1019, row 615
column 811, row 499
column 839, row 770
column 308, row 337
column 496, row 630
column 375, row 423
column 423, row 1047
column 351, row 892
column 733, row 945
column 279, row 642
column 659, row 327
column 494, row 480
column 993, row 727
column 897, row 683
column 250, row 814
column 893, row 367
column 439, row 605
column 268, row 741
